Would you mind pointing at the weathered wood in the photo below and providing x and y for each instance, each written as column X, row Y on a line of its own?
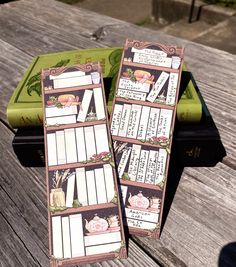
column 23, row 215
column 205, row 199
column 10, row 242
column 200, row 221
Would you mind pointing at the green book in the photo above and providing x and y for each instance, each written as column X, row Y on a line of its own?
column 25, row 106
column 189, row 108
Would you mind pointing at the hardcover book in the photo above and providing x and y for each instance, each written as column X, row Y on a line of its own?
column 142, row 124
column 85, row 219
column 25, row 106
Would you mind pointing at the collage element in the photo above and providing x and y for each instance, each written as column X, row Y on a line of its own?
column 142, row 124
column 85, row 219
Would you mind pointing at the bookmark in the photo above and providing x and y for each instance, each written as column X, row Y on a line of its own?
column 142, row 123
column 85, row 219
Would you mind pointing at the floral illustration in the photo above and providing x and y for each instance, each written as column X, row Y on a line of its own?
column 65, row 100
column 139, row 76
column 161, row 141
column 34, row 83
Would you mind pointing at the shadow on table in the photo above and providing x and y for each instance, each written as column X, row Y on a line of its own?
column 227, row 255
column 174, row 175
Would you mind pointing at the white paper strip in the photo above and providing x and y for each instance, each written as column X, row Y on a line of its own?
column 151, row 167
column 131, row 94
column 61, row 120
column 100, row 186
column 61, row 148
column 136, row 86
column 124, row 190
column 66, row 237
column 142, row 129
column 102, row 248
column 161, row 166
column 77, row 236
column 141, row 224
column 70, row 191
column 134, row 121
column 124, row 120
column 72, row 81
column 142, row 215
column 171, row 91
column 101, row 138
column 71, row 151
column 81, row 150
column 148, row 51
column 158, row 86
column 164, row 123
column 52, row 149
column 152, row 60
column 102, row 239
column 152, row 123
column 109, row 181
column 91, row 186
column 116, row 117
column 123, row 161
column 134, row 162
column 81, row 186
column 89, row 142
column 64, row 111
column 143, row 160
column 99, row 103
column 85, row 105
column 57, row 237
column 67, row 75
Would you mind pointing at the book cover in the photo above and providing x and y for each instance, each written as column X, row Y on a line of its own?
column 84, row 213
column 142, row 124
column 25, row 106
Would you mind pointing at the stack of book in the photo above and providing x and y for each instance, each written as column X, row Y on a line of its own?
column 196, row 139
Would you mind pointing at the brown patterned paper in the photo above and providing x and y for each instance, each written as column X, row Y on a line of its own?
column 84, row 216
column 142, row 124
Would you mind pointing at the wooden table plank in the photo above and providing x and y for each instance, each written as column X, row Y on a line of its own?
column 23, row 217
column 201, row 219
column 12, row 250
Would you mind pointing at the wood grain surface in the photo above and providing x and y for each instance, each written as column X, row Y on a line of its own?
column 199, row 227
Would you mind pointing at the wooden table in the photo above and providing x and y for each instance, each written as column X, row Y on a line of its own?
column 201, row 220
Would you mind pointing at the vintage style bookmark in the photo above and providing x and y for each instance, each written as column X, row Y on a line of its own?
column 142, row 123
column 85, row 220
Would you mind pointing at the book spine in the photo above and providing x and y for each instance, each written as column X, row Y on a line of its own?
column 188, row 152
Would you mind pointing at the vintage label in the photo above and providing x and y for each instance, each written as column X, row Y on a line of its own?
column 131, row 94
column 171, row 91
column 164, row 123
column 152, row 60
column 143, row 160
column 152, row 123
column 142, row 129
column 134, row 162
column 151, row 167
column 158, row 86
column 134, row 121
column 161, row 166
column 136, row 86
column 123, row 161
column 124, row 120
column 115, row 124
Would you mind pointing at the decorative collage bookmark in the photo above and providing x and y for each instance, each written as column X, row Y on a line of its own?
column 142, row 123
column 85, row 219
